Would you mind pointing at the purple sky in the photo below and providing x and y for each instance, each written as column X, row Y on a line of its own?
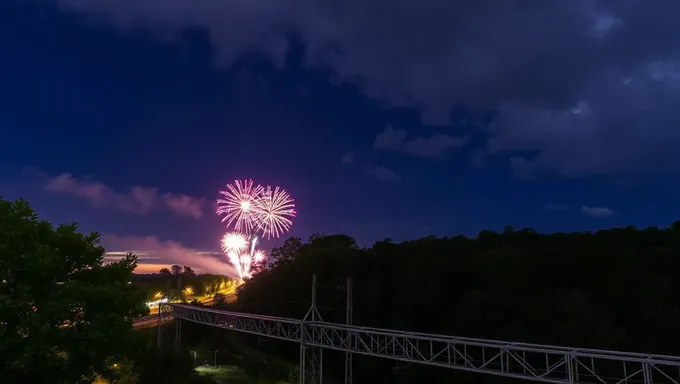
column 398, row 120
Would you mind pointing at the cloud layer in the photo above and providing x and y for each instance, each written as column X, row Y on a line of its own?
column 568, row 78
column 138, row 200
column 382, row 173
column 432, row 146
column 347, row 158
column 155, row 254
column 597, row 211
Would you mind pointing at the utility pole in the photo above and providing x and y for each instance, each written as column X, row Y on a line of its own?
column 348, row 321
column 217, row 350
column 311, row 358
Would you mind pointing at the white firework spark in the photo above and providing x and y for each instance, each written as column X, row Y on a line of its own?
column 252, row 209
column 275, row 209
column 241, row 253
column 238, row 205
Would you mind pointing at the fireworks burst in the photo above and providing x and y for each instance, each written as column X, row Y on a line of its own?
column 274, row 212
column 241, row 252
column 238, row 205
column 252, row 208
column 234, row 241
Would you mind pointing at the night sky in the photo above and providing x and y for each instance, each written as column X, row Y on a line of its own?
column 394, row 119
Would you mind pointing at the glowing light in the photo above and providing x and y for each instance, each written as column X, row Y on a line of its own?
column 236, row 205
column 275, row 209
column 242, row 254
column 251, row 209
column 234, row 241
column 258, row 256
column 156, row 302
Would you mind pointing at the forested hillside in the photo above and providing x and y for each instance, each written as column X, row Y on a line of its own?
column 614, row 289
column 155, row 286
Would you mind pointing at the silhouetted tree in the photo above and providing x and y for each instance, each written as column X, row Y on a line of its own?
column 188, row 272
column 614, row 289
column 219, row 299
column 287, row 252
column 176, row 270
column 65, row 316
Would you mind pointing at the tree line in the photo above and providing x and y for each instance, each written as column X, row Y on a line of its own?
column 66, row 317
column 613, row 289
column 178, row 282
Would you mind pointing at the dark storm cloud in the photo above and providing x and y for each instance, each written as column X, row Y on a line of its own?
column 592, row 86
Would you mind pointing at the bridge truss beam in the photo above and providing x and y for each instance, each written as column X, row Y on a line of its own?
column 542, row 363
column 266, row 326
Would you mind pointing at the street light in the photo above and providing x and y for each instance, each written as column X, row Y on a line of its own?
column 217, row 350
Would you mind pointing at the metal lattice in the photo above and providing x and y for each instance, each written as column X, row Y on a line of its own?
column 349, row 322
column 311, row 363
column 268, row 326
column 549, row 364
column 164, row 318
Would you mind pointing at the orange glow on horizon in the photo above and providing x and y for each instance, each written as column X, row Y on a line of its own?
column 144, row 268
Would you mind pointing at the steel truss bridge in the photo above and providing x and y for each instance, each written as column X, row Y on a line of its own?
column 541, row 363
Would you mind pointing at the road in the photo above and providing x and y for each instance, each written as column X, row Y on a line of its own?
column 146, row 321
column 152, row 319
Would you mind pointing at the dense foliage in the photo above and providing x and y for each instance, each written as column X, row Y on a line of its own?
column 149, row 365
column 166, row 366
column 155, row 286
column 64, row 315
column 614, row 289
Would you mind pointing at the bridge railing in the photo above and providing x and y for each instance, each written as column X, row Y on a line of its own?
column 542, row 363
column 269, row 326
column 548, row 364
